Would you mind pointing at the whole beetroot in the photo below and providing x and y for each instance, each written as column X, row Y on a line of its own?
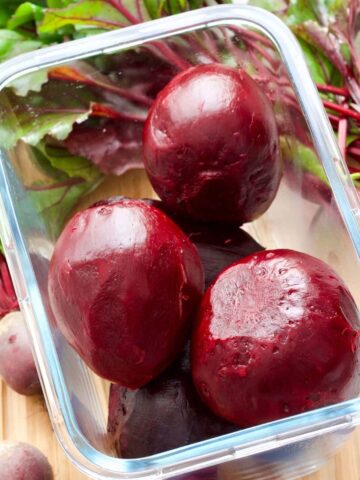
column 211, row 145
column 277, row 334
column 124, row 283
column 17, row 366
column 166, row 413
column 218, row 245
column 20, row 461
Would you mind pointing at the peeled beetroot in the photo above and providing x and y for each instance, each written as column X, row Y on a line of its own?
column 166, row 413
column 211, row 145
column 124, row 283
column 277, row 335
column 218, row 245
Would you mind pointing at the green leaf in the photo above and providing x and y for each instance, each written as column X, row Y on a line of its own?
column 85, row 13
column 324, row 41
column 69, row 177
column 351, row 138
column 55, row 204
column 29, row 83
column 59, row 3
column 53, row 112
column 300, row 11
column 304, row 157
column 73, row 166
column 271, row 5
column 321, row 69
column 13, row 44
column 154, row 7
column 8, row 8
column 26, row 13
column 58, row 125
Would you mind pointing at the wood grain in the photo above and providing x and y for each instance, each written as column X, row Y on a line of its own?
column 25, row 419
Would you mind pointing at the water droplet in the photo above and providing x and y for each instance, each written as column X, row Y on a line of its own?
column 275, row 350
column 286, row 408
column 282, row 271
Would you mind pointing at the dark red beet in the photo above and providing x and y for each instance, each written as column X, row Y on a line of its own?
column 124, row 283
column 211, row 146
column 8, row 300
column 166, row 413
column 277, row 335
column 218, row 245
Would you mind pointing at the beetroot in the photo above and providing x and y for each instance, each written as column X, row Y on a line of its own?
column 164, row 414
column 211, row 146
column 124, row 283
column 20, row 461
column 218, row 245
column 17, row 366
column 8, row 300
column 277, row 335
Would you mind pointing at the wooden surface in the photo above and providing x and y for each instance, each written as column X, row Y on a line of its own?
column 26, row 419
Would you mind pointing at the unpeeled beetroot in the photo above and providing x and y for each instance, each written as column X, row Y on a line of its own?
column 166, row 413
column 17, row 365
column 124, row 283
column 211, row 145
column 20, row 461
column 277, row 335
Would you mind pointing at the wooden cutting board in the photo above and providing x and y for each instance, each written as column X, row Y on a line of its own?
column 26, row 419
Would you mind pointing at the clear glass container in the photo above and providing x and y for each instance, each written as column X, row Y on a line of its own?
column 325, row 224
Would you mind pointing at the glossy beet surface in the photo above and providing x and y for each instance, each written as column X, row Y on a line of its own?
column 211, row 146
column 218, row 245
column 166, row 413
column 277, row 335
column 124, row 284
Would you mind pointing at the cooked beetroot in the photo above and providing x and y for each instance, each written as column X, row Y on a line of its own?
column 166, row 413
column 17, row 366
column 218, row 245
column 277, row 335
column 20, row 461
column 211, row 146
column 124, row 283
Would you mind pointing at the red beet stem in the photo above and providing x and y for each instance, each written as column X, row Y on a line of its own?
column 346, row 112
column 354, row 151
column 344, row 92
column 123, row 10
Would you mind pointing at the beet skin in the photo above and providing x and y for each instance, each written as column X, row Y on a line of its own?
column 166, row 413
column 277, row 335
column 17, row 365
column 124, row 283
column 211, row 145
